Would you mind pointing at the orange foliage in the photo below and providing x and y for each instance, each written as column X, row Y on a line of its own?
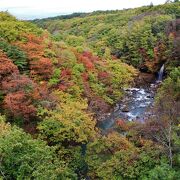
column 20, row 92
column 17, row 82
column 6, row 66
column 88, row 59
column 62, row 87
column 87, row 62
column 33, row 47
column 39, row 65
column 85, row 76
column 121, row 123
column 144, row 54
column 90, row 56
column 104, row 77
column 42, row 67
column 18, row 104
column 65, row 74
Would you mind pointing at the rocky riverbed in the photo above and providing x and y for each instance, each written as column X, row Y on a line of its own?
column 135, row 106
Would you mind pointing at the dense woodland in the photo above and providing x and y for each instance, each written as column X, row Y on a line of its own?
column 58, row 76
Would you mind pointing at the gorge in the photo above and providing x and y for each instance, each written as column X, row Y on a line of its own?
column 136, row 104
column 91, row 96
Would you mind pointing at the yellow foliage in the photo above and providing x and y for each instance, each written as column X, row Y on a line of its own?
column 4, row 127
column 77, row 123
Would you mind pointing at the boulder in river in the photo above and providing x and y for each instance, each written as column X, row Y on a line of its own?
column 125, row 109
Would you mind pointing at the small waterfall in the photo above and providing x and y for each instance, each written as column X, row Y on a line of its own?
column 161, row 72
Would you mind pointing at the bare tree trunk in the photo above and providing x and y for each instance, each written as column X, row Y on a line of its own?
column 171, row 113
column 170, row 144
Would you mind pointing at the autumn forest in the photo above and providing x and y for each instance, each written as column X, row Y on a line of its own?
column 91, row 95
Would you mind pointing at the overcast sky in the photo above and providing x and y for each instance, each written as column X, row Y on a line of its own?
column 30, row 9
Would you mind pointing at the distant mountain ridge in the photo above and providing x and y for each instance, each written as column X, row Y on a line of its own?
column 117, row 31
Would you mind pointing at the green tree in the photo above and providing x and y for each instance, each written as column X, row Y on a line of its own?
column 18, row 57
column 23, row 157
column 163, row 172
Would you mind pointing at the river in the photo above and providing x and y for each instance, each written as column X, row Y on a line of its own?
column 135, row 106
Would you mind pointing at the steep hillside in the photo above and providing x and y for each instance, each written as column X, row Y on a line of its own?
column 136, row 36
column 56, row 84
column 59, row 67
column 46, row 85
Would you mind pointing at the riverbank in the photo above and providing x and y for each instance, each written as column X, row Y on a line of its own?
column 136, row 104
